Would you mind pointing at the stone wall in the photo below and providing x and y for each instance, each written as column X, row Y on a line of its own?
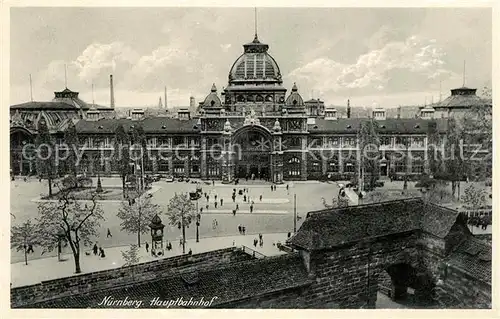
column 348, row 276
column 88, row 282
column 459, row 290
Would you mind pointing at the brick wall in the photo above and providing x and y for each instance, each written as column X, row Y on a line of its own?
column 344, row 278
column 459, row 290
column 84, row 283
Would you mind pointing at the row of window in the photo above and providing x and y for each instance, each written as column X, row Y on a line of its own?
column 347, row 141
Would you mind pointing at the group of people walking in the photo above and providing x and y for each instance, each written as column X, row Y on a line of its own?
column 98, row 251
column 241, row 229
column 259, row 241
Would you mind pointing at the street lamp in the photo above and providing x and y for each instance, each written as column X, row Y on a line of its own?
column 198, row 218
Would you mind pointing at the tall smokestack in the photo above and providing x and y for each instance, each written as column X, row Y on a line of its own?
column 348, row 109
column 165, row 100
column 111, row 92
column 192, row 104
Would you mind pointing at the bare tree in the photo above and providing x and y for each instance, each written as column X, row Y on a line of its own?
column 137, row 213
column 181, row 212
column 23, row 236
column 77, row 222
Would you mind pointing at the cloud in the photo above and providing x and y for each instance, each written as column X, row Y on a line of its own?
column 410, row 65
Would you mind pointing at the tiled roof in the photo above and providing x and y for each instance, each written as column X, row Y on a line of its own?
column 387, row 126
column 461, row 101
column 335, row 227
column 233, row 282
column 473, row 256
column 437, row 220
column 150, row 125
column 45, row 106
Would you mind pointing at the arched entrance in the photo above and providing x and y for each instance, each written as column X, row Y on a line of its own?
column 407, row 285
column 22, row 164
column 252, row 149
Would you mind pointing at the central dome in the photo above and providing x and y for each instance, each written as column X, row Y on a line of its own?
column 255, row 65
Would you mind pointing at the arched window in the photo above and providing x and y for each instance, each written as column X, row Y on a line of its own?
column 212, row 103
column 293, row 167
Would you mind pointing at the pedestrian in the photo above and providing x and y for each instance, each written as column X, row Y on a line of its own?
column 260, row 198
column 260, row 237
column 215, row 196
column 213, row 182
column 201, row 210
column 169, row 246
column 287, row 187
column 233, row 242
column 216, row 223
column 180, row 242
column 95, row 249
column 243, row 230
column 239, row 229
column 289, row 234
column 109, row 234
column 234, row 212
column 221, row 202
column 205, row 194
column 237, row 207
column 206, row 207
column 102, row 252
column 234, row 198
column 215, row 203
column 190, row 252
column 30, row 249
column 272, row 188
column 261, row 243
column 147, row 247
column 255, row 242
column 244, row 198
column 251, row 208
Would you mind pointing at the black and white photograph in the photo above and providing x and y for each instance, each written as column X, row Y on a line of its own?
column 255, row 157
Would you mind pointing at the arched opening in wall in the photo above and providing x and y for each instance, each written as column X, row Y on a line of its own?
column 403, row 286
column 252, row 148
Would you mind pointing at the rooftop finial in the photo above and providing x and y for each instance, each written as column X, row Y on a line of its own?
column 65, row 78
column 255, row 23
column 463, row 84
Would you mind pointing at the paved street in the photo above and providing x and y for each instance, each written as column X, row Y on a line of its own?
column 273, row 215
column 50, row 268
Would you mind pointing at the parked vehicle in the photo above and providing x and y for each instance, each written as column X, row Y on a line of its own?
column 169, row 179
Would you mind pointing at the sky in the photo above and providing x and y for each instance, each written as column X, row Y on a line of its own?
column 372, row 56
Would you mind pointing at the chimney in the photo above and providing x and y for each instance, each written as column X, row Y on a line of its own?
column 399, row 112
column 111, row 92
column 348, row 109
column 192, row 104
column 165, row 97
